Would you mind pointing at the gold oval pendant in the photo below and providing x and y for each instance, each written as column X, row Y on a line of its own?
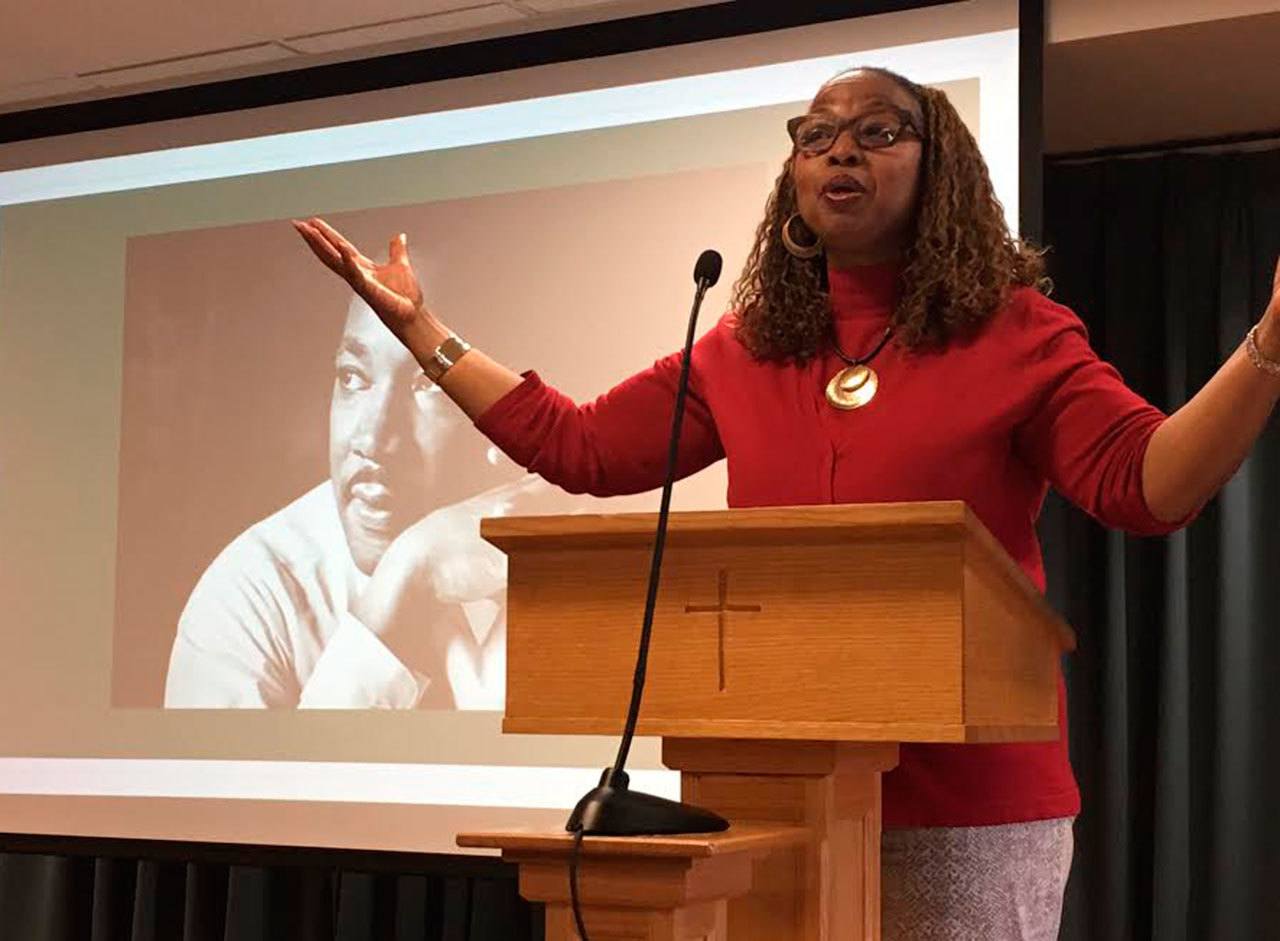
column 852, row 387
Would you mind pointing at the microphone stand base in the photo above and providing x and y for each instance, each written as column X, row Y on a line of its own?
column 614, row 810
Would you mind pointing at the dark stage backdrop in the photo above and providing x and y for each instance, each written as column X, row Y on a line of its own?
column 1174, row 691
column 208, row 893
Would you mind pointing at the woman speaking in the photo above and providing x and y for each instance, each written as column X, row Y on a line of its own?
column 888, row 341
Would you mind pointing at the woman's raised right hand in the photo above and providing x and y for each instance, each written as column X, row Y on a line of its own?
column 391, row 289
column 393, row 292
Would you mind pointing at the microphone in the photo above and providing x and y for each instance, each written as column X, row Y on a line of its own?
column 706, row 271
column 611, row 809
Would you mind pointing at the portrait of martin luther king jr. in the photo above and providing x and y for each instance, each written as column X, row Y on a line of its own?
column 373, row 589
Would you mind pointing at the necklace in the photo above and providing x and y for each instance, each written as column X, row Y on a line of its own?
column 856, row 384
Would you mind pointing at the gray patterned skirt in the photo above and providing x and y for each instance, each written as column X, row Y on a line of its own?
column 1001, row 883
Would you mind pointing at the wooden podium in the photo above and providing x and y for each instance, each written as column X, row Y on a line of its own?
column 793, row 649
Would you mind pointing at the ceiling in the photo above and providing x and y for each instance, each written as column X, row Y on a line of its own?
column 79, row 50
column 1215, row 78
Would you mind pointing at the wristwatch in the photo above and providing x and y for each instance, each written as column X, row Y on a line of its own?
column 445, row 355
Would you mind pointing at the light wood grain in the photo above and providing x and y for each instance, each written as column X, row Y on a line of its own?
column 795, row 524
column 1005, row 682
column 702, row 922
column 658, row 888
column 793, row 648
column 806, row 731
column 871, row 625
column 739, row 838
column 827, row 889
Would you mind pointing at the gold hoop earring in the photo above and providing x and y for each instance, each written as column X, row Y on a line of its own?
column 794, row 247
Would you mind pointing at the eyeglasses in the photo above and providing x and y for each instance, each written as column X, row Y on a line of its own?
column 815, row 134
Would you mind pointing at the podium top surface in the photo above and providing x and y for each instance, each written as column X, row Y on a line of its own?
column 808, row 524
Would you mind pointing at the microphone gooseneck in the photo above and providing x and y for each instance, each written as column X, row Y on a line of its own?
column 706, row 272
column 611, row 808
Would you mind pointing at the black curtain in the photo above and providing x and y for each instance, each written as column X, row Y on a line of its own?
column 156, row 895
column 1175, row 687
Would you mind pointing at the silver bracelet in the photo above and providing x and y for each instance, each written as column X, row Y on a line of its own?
column 1269, row 366
column 446, row 354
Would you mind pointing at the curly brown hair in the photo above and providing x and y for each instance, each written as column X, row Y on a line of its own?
column 958, row 270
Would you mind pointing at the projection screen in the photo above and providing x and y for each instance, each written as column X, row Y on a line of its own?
column 179, row 389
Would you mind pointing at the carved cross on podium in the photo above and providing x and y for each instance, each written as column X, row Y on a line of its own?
column 721, row 611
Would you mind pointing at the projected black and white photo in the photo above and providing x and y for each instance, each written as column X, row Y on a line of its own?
column 285, row 463
column 395, row 527
column 391, row 482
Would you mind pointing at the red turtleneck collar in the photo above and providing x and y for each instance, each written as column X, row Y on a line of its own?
column 864, row 290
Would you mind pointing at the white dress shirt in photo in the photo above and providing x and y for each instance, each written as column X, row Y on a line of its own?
column 269, row 622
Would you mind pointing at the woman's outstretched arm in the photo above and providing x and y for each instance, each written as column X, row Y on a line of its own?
column 614, row 445
column 1200, row 446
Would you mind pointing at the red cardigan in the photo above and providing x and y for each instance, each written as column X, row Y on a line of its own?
column 992, row 421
